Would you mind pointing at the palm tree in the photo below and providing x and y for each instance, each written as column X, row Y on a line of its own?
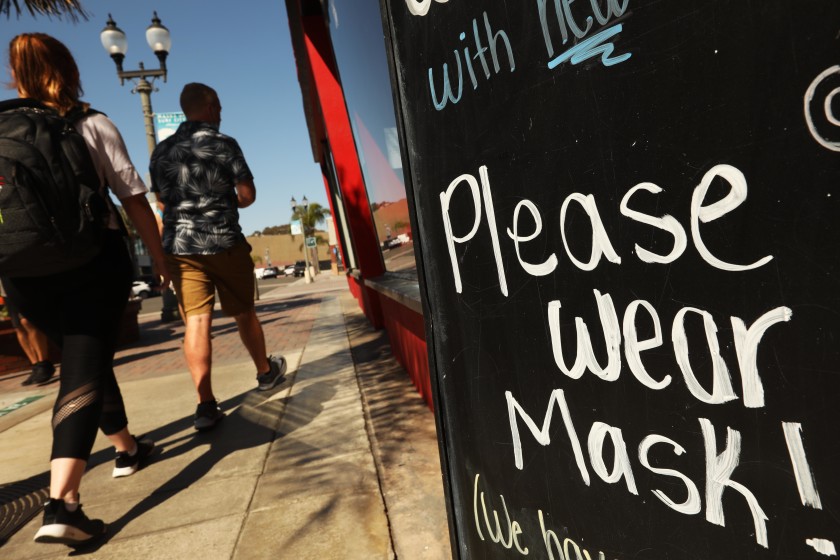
column 309, row 217
column 313, row 214
column 71, row 8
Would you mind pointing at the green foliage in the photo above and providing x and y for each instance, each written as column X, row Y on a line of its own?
column 277, row 230
column 70, row 8
column 315, row 214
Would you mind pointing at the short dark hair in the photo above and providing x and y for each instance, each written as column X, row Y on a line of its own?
column 195, row 96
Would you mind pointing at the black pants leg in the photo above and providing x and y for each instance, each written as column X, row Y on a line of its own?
column 81, row 310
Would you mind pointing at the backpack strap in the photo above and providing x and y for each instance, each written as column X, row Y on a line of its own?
column 74, row 115
column 78, row 112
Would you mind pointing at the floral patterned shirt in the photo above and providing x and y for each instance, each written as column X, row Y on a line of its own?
column 195, row 172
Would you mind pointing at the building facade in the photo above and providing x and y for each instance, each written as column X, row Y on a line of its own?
column 344, row 76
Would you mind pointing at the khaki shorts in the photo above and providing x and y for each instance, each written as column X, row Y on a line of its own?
column 196, row 278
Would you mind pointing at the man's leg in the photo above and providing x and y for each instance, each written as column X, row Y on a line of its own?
column 37, row 341
column 233, row 274
column 198, row 350
column 270, row 370
column 251, row 333
column 195, row 292
column 36, row 347
column 23, row 340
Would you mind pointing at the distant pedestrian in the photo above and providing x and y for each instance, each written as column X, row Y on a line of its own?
column 33, row 342
column 81, row 309
column 201, row 177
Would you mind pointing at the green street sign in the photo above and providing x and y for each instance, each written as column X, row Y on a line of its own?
column 311, row 242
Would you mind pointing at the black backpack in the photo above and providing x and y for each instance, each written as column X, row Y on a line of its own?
column 52, row 215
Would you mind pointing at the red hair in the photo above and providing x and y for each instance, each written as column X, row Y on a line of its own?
column 45, row 70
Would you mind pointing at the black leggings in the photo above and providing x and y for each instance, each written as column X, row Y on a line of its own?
column 80, row 310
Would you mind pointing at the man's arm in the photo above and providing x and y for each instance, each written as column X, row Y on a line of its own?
column 246, row 193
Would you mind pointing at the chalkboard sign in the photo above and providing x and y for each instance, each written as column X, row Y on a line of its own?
column 628, row 219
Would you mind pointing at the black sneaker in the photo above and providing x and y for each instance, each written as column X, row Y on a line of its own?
column 207, row 415
column 127, row 465
column 42, row 372
column 65, row 527
column 275, row 375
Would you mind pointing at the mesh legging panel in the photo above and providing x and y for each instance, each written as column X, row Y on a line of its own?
column 88, row 397
column 74, row 403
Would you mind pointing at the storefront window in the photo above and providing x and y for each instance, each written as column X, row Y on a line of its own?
column 359, row 44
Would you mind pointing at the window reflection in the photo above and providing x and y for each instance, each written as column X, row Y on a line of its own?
column 363, row 69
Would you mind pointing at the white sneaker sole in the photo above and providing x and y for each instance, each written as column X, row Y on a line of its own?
column 120, row 472
column 58, row 533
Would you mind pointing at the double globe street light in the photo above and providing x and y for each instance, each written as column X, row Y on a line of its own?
column 116, row 45
column 114, row 40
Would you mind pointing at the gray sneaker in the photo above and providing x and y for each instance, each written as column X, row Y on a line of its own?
column 276, row 374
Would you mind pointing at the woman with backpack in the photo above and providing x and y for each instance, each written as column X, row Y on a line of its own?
column 81, row 309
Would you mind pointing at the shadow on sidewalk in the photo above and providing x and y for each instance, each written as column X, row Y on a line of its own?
column 120, row 360
column 255, row 422
column 156, row 332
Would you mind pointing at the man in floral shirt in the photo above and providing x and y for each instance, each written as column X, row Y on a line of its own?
column 200, row 176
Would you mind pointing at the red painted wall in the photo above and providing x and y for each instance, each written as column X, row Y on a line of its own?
column 405, row 327
column 337, row 122
column 408, row 344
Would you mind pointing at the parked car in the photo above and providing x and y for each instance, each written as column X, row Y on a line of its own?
column 141, row 289
column 392, row 242
column 270, row 272
column 299, row 268
column 153, row 281
column 289, row 270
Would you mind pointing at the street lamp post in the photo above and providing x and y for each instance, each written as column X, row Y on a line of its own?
column 303, row 207
column 116, row 44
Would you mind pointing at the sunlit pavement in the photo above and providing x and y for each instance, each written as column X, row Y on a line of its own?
column 339, row 461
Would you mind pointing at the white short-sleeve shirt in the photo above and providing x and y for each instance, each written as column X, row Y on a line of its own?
column 110, row 157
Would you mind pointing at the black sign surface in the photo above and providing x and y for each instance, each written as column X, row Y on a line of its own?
column 628, row 217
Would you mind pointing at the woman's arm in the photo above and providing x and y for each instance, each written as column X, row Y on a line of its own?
column 140, row 213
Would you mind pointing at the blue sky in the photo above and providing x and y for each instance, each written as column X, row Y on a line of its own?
column 245, row 54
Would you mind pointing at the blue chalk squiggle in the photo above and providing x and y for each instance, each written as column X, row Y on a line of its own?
column 592, row 47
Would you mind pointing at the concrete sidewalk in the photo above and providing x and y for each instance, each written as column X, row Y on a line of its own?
column 340, row 461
